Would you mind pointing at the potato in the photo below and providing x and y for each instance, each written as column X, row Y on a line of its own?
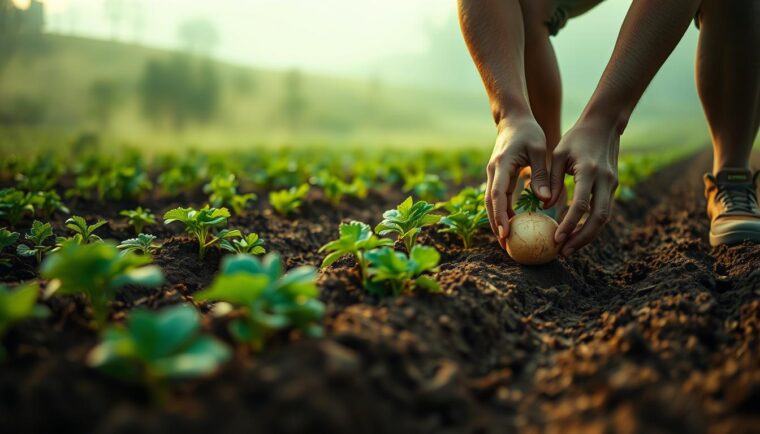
column 531, row 238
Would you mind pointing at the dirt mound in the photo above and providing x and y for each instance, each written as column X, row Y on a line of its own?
column 647, row 330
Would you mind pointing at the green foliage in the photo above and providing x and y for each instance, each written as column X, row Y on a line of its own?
column 528, row 201
column 426, row 186
column 138, row 218
column 37, row 236
column 247, row 244
column 98, row 271
column 335, row 188
column 202, row 225
column 14, row 205
column 469, row 199
column 7, row 238
column 407, row 220
column 288, row 201
column 223, row 191
column 17, row 305
column 269, row 300
column 143, row 244
column 83, row 233
column 47, row 203
column 155, row 347
column 123, row 182
column 465, row 224
column 356, row 238
column 393, row 272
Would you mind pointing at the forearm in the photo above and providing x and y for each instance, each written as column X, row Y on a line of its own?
column 650, row 32
column 493, row 31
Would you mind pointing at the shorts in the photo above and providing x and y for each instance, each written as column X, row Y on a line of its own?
column 566, row 9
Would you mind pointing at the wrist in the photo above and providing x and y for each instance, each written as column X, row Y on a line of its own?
column 509, row 110
column 605, row 115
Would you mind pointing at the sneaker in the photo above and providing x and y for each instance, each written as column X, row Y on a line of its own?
column 732, row 206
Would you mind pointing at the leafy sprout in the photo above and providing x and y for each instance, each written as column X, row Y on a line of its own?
column 202, row 225
column 356, row 238
column 37, row 235
column 48, row 203
column 395, row 272
column 335, row 188
column 143, row 244
column 407, row 220
column 98, row 271
column 83, row 233
column 138, row 218
column 269, row 300
column 14, row 205
column 155, row 347
column 426, row 186
column 17, row 305
column 465, row 224
column 7, row 238
column 288, row 201
column 223, row 191
column 249, row 244
column 528, row 201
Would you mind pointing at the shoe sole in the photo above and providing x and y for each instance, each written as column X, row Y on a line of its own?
column 733, row 238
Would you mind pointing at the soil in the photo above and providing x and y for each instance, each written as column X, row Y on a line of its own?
column 647, row 330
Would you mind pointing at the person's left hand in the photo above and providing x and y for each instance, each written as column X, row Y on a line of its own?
column 588, row 152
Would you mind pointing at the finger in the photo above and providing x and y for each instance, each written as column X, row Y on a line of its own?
column 557, row 177
column 581, row 205
column 501, row 183
column 601, row 207
column 488, row 200
column 539, row 176
column 510, row 193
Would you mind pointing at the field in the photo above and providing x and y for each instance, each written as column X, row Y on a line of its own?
column 646, row 330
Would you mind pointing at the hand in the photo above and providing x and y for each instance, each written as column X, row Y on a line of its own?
column 520, row 143
column 589, row 152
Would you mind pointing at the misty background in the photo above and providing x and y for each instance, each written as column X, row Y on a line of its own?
column 242, row 72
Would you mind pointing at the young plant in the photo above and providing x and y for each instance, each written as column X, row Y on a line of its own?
column 155, row 347
column 138, row 218
column 335, row 188
column 407, row 220
column 98, row 271
column 223, row 191
column 531, row 233
column 465, row 224
column 14, row 205
column 47, row 203
column 123, row 182
column 37, row 235
column 469, row 199
column 7, row 238
column 202, row 224
column 395, row 272
column 143, row 244
column 425, row 186
column 356, row 238
column 83, row 233
column 269, row 300
column 17, row 305
column 249, row 244
column 288, row 201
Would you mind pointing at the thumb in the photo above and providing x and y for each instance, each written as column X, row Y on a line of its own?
column 539, row 175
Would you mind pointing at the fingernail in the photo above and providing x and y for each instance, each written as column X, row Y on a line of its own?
column 544, row 191
column 501, row 232
column 568, row 251
column 561, row 237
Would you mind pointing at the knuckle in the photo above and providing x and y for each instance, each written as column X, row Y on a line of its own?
column 582, row 205
column 491, row 167
column 602, row 215
column 539, row 173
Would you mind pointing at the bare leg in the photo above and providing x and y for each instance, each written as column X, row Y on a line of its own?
column 728, row 78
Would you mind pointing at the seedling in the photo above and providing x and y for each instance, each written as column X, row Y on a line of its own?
column 201, row 224
column 156, row 347
column 138, row 218
column 83, row 233
column 407, row 220
column 395, row 272
column 269, row 299
column 356, row 238
column 37, row 235
column 14, row 205
column 288, row 201
column 7, row 238
column 425, row 186
column 531, row 233
column 98, row 271
column 223, row 190
column 17, row 305
column 465, row 224
column 249, row 244
column 469, row 200
column 124, row 182
column 143, row 244
column 335, row 188
column 47, row 203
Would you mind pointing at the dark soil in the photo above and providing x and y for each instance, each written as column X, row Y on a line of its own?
column 647, row 330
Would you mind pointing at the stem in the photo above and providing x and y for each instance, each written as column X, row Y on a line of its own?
column 409, row 243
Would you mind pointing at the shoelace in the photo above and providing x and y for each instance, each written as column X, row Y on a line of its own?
column 737, row 198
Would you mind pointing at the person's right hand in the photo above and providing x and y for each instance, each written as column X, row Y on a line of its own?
column 520, row 143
